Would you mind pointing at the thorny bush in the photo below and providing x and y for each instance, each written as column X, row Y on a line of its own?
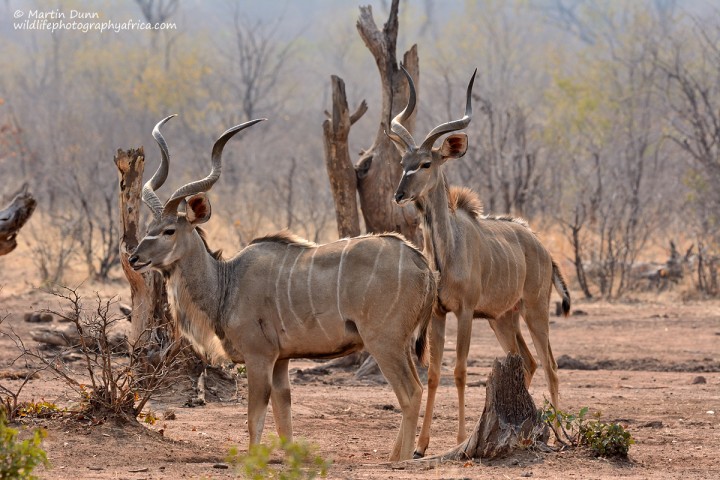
column 113, row 379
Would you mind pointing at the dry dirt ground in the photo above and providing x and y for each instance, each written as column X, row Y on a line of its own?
column 643, row 359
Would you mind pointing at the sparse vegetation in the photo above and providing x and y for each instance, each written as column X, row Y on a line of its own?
column 603, row 439
column 112, row 383
column 300, row 461
column 19, row 458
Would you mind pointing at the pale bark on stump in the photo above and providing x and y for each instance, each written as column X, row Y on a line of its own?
column 152, row 326
column 12, row 219
column 343, row 182
column 509, row 416
column 378, row 169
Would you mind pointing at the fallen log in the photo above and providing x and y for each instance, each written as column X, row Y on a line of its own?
column 70, row 337
column 12, row 219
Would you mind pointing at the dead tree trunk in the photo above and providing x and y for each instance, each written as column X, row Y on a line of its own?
column 152, row 326
column 378, row 169
column 341, row 173
column 12, row 219
column 509, row 416
column 377, row 173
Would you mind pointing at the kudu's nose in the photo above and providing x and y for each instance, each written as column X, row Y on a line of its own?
column 399, row 196
column 133, row 259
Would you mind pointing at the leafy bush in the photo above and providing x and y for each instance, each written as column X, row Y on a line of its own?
column 18, row 459
column 606, row 439
column 300, row 462
column 603, row 439
column 41, row 409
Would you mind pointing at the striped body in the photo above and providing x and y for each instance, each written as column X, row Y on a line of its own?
column 309, row 301
column 283, row 297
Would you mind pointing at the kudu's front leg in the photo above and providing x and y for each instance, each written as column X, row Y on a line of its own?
column 464, row 331
column 259, row 375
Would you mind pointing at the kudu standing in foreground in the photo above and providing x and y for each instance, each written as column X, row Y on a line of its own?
column 490, row 267
column 283, row 297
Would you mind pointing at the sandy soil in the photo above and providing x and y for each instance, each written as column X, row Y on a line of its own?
column 634, row 362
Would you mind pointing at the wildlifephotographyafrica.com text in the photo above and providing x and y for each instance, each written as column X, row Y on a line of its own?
column 81, row 21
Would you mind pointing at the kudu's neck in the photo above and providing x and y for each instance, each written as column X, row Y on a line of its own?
column 200, row 276
column 437, row 224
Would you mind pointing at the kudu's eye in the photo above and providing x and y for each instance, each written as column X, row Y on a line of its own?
column 426, row 165
column 169, row 231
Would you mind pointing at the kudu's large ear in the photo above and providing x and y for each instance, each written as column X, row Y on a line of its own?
column 454, row 146
column 198, row 209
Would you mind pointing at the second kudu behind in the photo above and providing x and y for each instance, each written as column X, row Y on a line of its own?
column 283, row 297
column 490, row 267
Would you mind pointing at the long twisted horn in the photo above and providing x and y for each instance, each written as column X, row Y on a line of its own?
column 396, row 125
column 206, row 183
column 148, row 192
column 453, row 125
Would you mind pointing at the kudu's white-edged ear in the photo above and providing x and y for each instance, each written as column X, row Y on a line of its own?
column 198, row 209
column 454, row 146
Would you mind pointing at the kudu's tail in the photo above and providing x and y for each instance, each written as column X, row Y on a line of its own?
column 561, row 288
column 421, row 341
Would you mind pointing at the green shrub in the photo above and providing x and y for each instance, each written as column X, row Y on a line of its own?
column 606, row 439
column 18, row 459
column 603, row 439
column 300, row 461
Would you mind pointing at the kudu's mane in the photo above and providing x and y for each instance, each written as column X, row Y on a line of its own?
column 462, row 198
column 285, row 238
column 217, row 254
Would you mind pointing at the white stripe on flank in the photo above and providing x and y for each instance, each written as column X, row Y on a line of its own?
column 507, row 273
column 310, row 295
column 399, row 285
column 277, row 285
column 517, row 264
column 488, row 274
column 290, row 302
column 539, row 267
column 337, row 293
column 309, row 282
column 372, row 274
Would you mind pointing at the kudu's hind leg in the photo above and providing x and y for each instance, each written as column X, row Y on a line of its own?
column 537, row 318
column 280, row 396
column 437, row 345
column 507, row 332
column 398, row 367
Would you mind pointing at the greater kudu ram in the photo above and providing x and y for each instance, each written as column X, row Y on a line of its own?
column 490, row 267
column 283, row 297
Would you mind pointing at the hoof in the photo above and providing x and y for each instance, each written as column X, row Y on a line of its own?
column 417, row 455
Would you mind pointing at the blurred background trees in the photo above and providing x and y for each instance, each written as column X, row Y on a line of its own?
column 598, row 121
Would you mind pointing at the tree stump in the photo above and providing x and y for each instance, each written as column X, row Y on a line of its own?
column 508, row 419
column 343, row 183
column 378, row 169
column 12, row 219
